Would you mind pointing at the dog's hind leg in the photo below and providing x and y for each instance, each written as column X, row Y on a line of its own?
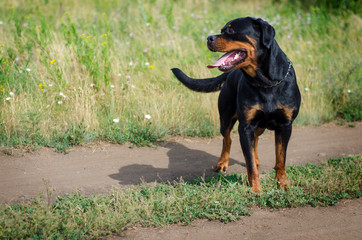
column 228, row 117
column 223, row 163
column 282, row 137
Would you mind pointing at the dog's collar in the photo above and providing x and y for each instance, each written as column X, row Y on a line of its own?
column 265, row 82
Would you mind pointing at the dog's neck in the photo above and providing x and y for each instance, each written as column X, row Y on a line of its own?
column 261, row 80
column 274, row 68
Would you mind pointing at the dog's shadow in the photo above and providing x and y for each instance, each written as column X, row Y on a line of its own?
column 184, row 163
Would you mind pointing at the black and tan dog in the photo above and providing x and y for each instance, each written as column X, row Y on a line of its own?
column 258, row 88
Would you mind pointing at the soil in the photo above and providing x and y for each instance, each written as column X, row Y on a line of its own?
column 342, row 221
column 100, row 167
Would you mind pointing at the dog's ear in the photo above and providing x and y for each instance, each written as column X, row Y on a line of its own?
column 267, row 32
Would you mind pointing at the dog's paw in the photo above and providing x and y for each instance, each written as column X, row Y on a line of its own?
column 221, row 168
column 282, row 182
column 256, row 188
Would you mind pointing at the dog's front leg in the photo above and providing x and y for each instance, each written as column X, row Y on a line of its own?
column 282, row 136
column 247, row 139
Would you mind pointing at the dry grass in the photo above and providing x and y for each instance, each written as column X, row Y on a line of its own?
column 113, row 60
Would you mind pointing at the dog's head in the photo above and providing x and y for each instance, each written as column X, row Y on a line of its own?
column 243, row 40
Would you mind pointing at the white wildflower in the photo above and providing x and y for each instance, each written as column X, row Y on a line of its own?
column 60, row 102
column 306, row 89
column 11, row 94
column 8, row 98
column 116, row 120
column 147, row 116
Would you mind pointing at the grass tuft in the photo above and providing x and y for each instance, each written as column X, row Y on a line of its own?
column 221, row 198
column 68, row 69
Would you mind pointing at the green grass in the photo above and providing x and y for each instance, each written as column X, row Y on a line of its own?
column 220, row 198
column 70, row 68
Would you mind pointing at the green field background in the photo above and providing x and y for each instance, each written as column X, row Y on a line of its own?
column 81, row 71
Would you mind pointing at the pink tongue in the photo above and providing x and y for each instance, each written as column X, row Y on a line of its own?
column 220, row 60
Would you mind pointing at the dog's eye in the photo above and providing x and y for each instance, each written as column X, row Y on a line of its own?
column 230, row 31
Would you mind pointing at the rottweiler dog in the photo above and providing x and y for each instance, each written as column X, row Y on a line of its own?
column 258, row 88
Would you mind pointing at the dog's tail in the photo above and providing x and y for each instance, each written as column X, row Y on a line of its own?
column 200, row 85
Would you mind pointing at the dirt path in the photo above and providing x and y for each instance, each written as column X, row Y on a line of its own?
column 98, row 168
column 342, row 221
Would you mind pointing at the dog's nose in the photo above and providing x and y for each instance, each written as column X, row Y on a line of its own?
column 211, row 38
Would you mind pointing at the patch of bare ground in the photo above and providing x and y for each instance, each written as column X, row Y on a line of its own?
column 98, row 168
